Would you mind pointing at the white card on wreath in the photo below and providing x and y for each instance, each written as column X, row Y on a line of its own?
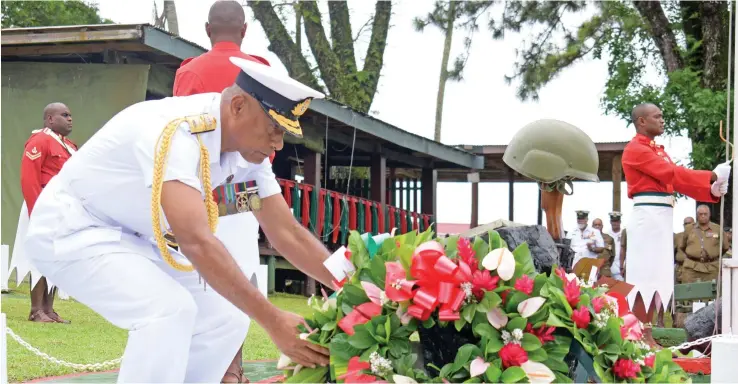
column 338, row 265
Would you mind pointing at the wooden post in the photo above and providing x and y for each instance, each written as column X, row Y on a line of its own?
column 474, row 206
column 429, row 180
column 378, row 175
column 511, row 194
column 312, row 176
column 416, row 189
column 617, row 177
column 271, row 273
column 540, row 209
column 392, row 187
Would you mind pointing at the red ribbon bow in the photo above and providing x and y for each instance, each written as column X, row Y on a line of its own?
column 439, row 279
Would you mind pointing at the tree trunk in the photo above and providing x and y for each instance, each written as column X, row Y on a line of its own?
column 451, row 17
column 170, row 13
column 298, row 27
column 713, row 39
column 664, row 38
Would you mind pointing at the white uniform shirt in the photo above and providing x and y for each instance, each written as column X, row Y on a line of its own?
column 101, row 199
column 580, row 239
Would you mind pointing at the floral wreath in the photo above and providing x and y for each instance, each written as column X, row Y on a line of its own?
column 521, row 323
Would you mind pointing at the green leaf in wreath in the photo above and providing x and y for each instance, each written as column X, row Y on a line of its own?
column 489, row 301
column 495, row 241
column 584, row 300
column 429, row 323
column 493, row 346
column 459, row 324
column 523, row 260
column 468, row 312
column 405, row 254
column 399, row 347
column 516, row 323
column 362, row 339
column 452, row 246
column 513, row 375
column 486, row 330
column 538, row 284
column 354, row 295
column 427, row 235
column 601, row 371
column 366, row 354
column 481, row 249
column 463, row 355
column 538, row 355
column 555, row 364
column 513, row 301
column 493, row 373
column 560, row 300
column 378, row 270
column 531, row 342
column 612, row 349
column 342, row 349
column 446, row 370
column 554, row 320
column 310, row 375
column 359, row 253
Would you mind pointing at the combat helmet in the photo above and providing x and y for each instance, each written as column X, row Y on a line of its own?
column 552, row 150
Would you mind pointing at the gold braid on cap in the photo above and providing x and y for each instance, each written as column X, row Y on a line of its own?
column 197, row 124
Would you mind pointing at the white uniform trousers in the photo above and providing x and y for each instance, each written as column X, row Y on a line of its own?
column 178, row 332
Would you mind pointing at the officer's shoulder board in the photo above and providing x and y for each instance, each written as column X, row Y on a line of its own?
column 201, row 123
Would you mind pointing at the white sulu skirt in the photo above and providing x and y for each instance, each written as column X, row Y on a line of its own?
column 650, row 249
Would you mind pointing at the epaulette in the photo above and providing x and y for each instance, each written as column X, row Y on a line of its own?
column 201, row 123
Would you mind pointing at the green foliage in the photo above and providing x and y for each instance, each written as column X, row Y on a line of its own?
column 21, row 14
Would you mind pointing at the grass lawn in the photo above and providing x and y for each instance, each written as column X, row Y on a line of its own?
column 91, row 339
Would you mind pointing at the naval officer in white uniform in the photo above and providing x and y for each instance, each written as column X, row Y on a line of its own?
column 586, row 242
column 97, row 229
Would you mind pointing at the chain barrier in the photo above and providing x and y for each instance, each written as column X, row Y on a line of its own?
column 700, row 341
column 80, row 367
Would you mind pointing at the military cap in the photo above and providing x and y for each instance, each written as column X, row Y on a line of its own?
column 615, row 216
column 283, row 99
column 582, row 214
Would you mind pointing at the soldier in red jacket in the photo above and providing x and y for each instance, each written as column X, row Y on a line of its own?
column 212, row 72
column 652, row 180
column 45, row 153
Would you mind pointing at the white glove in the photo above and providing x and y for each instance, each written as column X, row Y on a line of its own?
column 719, row 189
column 722, row 171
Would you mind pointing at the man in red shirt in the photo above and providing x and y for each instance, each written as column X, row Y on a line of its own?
column 652, row 180
column 45, row 153
column 213, row 72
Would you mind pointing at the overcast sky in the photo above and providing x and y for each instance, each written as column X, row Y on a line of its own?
column 482, row 109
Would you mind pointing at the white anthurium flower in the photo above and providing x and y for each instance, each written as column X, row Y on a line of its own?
column 497, row 317
column 501, row 260
column 572, row 276
column 478, row 366
column 329, row 304
column 284, row 362
column 399, row 379
column 297, row 369
column 537, row 372
column 528, row 307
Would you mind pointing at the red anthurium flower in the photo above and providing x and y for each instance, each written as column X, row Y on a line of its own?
column 396, row 286
column 524, row 284
column 543, row 333
column 572, row 292
column 581, row 317
column 598, row 303
column 626, row 369
column 561, row 273
column 512, row 355
column 650, row 360
column 354, row 374
column 466, row 253
column 483, row 281
column 360, row 315
column 622, row 303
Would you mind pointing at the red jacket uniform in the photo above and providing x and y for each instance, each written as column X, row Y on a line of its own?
column 211, row 72
column 648, row 168
column 43, row 158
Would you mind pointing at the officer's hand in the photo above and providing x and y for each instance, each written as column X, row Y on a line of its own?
column 283, row 331
column 722, row 171
column 719, row 188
